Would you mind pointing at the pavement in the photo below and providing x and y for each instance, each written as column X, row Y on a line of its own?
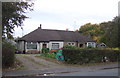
column 42, row 72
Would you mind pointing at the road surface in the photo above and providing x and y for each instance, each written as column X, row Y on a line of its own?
column 107, row 72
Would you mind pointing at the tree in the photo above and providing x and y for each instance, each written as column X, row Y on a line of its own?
column 112, row 33
column 106, row 32
column 117, row 23
column 13, row 14
column 92, row 30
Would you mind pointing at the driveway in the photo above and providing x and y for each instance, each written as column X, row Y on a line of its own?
column 31, row 62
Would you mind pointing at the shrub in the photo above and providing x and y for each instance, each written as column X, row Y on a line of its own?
column 81, row 56
column 71, row 47
column 89, row 47
column 49, row 55
column 45, row 50
column 8, row 54
column 115, row 48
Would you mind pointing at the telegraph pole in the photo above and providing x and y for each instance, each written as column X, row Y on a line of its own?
column 22, row 32
column 119, row 9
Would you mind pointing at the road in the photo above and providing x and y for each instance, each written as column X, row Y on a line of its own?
column 108, row 72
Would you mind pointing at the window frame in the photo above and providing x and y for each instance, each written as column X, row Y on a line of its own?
column 31, row 44
column 54, row 46
column 71, row 44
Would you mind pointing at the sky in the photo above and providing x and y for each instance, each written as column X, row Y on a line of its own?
column 67, row 14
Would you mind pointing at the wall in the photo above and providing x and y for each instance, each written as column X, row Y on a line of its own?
column 76, row 44
column 39, row 45
column 66, row 43
column 49, row 45
column 20, row 45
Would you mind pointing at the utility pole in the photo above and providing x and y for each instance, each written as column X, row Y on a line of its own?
column 22, row 32
column 119, row 9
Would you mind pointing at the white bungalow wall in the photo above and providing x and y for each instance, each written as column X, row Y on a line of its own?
column 20, row 45
column 49, row 45
column 39, row 45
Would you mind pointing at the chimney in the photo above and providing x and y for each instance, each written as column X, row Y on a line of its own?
column 66, row 29
column 40, row 26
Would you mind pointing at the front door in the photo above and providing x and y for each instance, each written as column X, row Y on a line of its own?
column 44, row 45
column 81, row 45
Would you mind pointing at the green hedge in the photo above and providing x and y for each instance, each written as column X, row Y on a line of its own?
column 81, row 56
column 8, row 54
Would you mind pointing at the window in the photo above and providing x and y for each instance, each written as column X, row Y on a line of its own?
column 71, row 44
column 31, row 45
column 55, row 45
column 89, row 44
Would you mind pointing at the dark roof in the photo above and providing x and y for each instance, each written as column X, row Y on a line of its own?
column 40, row 35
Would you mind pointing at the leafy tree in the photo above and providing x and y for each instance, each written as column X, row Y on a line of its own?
column 106, row 32
column 112, row 33
column 92, row 30
column 13, row 14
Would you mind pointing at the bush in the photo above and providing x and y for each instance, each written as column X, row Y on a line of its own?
column 45, row 50
column 90, row 47
column 71, row 47
column 8, row 54
column 81, row 56
column 49, row 55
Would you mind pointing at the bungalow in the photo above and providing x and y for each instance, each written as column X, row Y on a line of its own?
column 101, row 45
column 52, row 39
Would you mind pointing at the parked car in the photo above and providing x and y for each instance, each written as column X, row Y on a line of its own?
column 18, row 52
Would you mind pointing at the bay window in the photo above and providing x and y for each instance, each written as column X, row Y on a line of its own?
column 55, row 46
column 31, row 45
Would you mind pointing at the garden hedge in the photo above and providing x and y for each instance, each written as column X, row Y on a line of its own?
column 8, row 54
column 81, row 56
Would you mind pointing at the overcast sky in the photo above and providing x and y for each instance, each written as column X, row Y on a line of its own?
column 68, row 14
